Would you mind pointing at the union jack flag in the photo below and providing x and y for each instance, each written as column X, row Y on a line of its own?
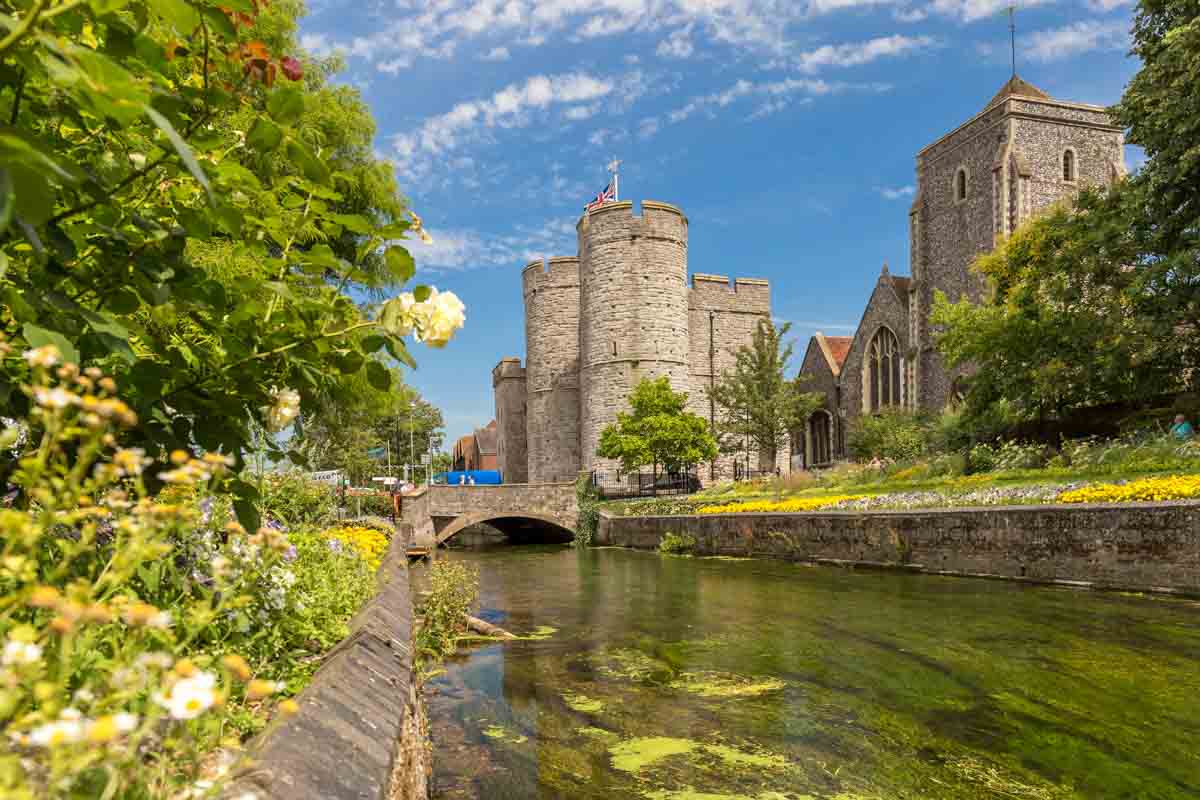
column 609, row 193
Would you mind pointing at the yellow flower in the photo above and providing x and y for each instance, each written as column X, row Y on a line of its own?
column 289, row 706
column 237, row 665
column 258, row 689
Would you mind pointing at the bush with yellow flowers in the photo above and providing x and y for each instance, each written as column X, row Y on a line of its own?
column 139, row 635
column 778, row 506
column 369, row 543
column 1174, row 487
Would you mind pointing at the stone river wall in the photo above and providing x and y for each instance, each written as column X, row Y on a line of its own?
column 1143, row 547
column 361, row 732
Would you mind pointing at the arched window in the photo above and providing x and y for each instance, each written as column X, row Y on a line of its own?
column 882, row 370
column 960, row 184
column 1068, row 164
column 820, row 438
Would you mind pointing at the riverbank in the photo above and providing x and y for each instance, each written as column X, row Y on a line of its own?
column 360, row 732
column 1151, row 547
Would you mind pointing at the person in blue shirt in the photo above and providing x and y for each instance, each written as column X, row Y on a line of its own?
column 1182, row 429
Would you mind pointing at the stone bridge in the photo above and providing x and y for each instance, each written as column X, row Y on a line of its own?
column 523, row 511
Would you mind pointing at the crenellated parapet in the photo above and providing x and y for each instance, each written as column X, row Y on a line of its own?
column 560, row 272
column 717, row 293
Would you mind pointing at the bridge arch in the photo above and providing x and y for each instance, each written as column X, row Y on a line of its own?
column 555, row 526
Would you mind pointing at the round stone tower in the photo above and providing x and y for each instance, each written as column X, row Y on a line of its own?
column 633, row 311
column 552, row 369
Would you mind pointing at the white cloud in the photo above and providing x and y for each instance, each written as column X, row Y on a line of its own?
column 816, row 7
column 1104, row 6
column 677, row 45
column 464, row 249
column 648, row 127
column 508, row 108
column 316, row 43
column 776, row 93
column 855, row 53
column 910, row 14
column 496, row 54
column 897, row 193
column 576, row 113
column 972, row 10
column 1081, row 37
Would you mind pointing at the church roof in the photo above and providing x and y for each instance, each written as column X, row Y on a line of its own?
column 835, row 349
column 1017, row 86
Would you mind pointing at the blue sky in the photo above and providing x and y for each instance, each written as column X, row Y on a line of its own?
column 785, row 129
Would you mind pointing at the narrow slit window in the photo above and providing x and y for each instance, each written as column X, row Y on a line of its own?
column 1069, row 165
column 960, row 184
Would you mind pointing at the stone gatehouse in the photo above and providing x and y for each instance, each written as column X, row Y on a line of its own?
column 1023, row 152
column 596, row 323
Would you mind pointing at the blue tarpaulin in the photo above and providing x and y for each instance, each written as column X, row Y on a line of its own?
column 483, row 477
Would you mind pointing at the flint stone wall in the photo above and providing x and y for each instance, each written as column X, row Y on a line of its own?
column 361, row 732
column 1142, row 547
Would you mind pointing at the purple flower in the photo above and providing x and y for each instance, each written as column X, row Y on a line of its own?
column 276, row 525
column 335, row 545
column 290, row 554
column 206, row 507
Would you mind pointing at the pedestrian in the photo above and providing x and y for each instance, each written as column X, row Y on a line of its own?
column 1182, row 429
column 471, row 480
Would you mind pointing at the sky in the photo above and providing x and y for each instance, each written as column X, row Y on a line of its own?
column 785, row 129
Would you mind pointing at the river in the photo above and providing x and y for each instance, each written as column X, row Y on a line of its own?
column 676, row 678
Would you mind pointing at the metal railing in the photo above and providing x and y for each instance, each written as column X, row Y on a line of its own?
column 616, row 485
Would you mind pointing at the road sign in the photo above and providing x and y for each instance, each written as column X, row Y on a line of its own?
column 386, row 480
column 426, row 458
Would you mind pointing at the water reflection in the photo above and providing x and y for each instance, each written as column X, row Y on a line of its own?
column 698, row 679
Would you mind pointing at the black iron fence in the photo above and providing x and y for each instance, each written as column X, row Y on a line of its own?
column 617, row 485
column 741, row 473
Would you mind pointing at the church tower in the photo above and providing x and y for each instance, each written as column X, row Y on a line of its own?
column 1023, row 152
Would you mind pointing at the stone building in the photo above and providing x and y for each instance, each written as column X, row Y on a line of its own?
column 1023, row 152
column 597, row 323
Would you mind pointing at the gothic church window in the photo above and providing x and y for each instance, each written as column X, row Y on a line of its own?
column 820, row 430
column 960, row 184
column 883, row 372
column 1068, row 165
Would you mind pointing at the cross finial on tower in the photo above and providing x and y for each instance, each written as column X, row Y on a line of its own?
column 1012, row 35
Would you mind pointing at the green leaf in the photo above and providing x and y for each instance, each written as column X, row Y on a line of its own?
column 264, row 135
column 181, row 147
column 399, row 263
column 8, row 202
column 309, row 164
column 178, row 13
column 40, row 337
column 104, row 323
column 421, row 293
column 3, row 264
column 399, row 351
column 372, row 343
column 17, row 305
column 350, row 362
column 286, row 105
column 123, row 301
column 378, row 376
column 355, row 223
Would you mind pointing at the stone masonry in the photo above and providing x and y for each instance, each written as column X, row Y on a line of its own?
column 596, row 324
column 1022, row 153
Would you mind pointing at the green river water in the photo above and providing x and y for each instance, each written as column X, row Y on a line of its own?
column 675, row 678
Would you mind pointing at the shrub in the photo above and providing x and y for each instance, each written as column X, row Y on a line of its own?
column 295, row 500
column 453, row 589
column 677, row 542
column 130, row 627
column 589, row 511
column 892, row 434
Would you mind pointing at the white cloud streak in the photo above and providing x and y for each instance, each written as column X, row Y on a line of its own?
column 897, row 193
column 1058, row 44
column 856, row 53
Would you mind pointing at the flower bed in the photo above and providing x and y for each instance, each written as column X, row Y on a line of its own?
column 777, row 506
column 369, row 543
column 1173, row 487
column 144, row 636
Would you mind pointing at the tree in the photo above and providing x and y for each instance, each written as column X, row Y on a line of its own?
column 1099, row 300
column 759, row 404
column 657, row 430
column 186, row 205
